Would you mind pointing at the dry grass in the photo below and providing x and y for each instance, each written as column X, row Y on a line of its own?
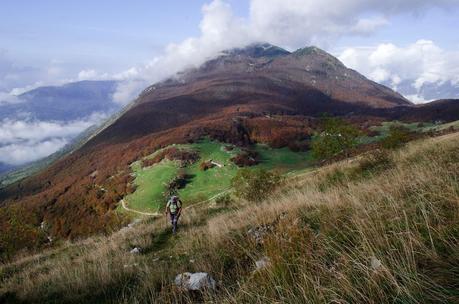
column 399, row 210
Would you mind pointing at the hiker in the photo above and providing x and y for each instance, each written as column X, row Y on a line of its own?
column 174, row 208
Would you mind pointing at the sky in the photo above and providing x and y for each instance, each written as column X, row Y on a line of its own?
column 49, row 42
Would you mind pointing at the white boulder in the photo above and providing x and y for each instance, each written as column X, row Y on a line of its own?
column 195, row 281
column 262, row 263
column 375, row 263
column 136, row 250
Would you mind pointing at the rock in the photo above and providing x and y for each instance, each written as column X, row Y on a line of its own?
column 130, row 265
column 375, row 263
column 258, row 233
column 94, row 174
column 136, row 250
column 262, row 263
column 135, row 222
column 195, row 281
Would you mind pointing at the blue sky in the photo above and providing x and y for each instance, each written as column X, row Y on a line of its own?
column 111, row 35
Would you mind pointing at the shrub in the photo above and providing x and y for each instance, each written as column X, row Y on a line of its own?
column 375, row 161
column 246, row 159
column 205, row 165
column 224, row 200
column 185, row 157
column 337, row 136
column 255, row 185
column 398, row 135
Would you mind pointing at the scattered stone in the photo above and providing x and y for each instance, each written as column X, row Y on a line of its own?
column 216, row 164
column 130, row 265
column 50, row 239
column 262, row 263
column 258, row 233
column 192, row 261
column 375, row 263
column 135, row 222
column 94, row 174
column 136, row 250
column 195, row 281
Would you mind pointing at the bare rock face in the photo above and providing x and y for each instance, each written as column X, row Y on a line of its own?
column 197, row 281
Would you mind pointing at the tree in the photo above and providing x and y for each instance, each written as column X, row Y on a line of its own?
column 398, row 135
column 336, row 136
column 255, row 185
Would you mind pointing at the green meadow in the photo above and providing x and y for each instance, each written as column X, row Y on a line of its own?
column 151, row 181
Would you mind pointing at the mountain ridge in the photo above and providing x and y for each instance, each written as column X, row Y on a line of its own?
column 236, row 98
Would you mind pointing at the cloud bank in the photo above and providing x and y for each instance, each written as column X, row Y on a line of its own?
column 23, row 141
column 416, row 65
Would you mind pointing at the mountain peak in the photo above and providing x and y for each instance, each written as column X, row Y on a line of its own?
column 258, row 50
column 313, row 53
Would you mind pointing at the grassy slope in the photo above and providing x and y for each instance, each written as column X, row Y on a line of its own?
column 326, row 228
column 151, row 181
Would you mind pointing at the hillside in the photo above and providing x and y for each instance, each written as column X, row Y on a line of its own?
column 379, row 228
column 245, row 97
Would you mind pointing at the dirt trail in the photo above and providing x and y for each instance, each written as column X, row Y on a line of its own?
column 157, row 214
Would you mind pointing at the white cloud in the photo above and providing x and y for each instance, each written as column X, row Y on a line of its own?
column 420, row 63
column 8, row 98
column 23, row 141
column 91, row 74
column 22, row 153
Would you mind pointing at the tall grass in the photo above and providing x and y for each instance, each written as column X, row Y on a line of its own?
column 376, row 229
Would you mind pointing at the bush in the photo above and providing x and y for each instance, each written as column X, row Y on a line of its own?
column 246, row 159
column 185, row 157
column 224, row 200
column 374, row 162
column 255, row 185
column 337, row 136
column 205, row 165
column 398, row 135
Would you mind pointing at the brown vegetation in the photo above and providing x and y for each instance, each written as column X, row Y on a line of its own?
column 246, row 158
column 275, row 103
column 185, row 157
column 377, row 236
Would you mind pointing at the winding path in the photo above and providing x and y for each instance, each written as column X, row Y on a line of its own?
column 157, row 214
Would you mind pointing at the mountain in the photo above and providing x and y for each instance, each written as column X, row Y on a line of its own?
column 63, row 103
column 261, row 94
column 73, row 106
column 256, row 79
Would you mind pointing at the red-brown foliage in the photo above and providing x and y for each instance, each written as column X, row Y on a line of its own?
column 246, row 159
column 186, row 157
column 205, row 165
